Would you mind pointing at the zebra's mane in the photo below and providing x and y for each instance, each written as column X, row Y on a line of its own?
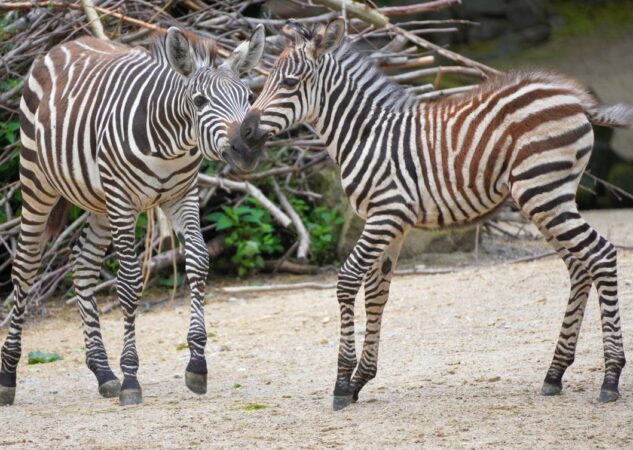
column 205, row 50
column 393, row 97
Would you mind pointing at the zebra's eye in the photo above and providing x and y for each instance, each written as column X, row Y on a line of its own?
column 290, row 82
column 200, row 101
column 251, row 97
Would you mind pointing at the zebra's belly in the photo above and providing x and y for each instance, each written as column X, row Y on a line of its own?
column 434, row 217
column 77, row 181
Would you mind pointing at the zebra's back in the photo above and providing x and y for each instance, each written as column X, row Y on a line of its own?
column 474, row 147
column 86, row 109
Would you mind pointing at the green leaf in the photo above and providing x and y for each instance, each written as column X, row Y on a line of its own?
column 254, row 406
column 224, row 223
column 43, row 358
column 250, row 248
column 169, row 281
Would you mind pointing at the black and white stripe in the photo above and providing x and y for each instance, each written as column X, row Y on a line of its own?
column 118, row 130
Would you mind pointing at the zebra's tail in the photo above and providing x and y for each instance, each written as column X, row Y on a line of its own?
column 57, row 217
column 618, row 116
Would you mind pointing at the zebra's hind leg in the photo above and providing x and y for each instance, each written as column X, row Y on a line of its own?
column 377, row 236
column 37, row 204
column 185, row 216
column 566, row 347
column 129, row 287
column 555, row 210
column 377, row 283
column 88, row 254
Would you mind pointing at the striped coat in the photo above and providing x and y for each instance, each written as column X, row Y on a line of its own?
column 117, row 130
column 526, row 135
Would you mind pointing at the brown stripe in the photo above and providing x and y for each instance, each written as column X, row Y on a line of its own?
column 495, row 124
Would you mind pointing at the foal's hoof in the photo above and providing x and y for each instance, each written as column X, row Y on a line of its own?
column 196, row 382
column 341, row 401
column 607, row 396
column 7, row 395
column 130, row 397
column 110, row 389
column 550, row 389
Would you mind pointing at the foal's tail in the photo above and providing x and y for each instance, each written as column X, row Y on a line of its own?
column 616, row 116
column 57, row 217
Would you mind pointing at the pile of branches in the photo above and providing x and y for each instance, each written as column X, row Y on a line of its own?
column 393, row 37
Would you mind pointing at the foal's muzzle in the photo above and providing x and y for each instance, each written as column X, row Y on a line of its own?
column 250, row 132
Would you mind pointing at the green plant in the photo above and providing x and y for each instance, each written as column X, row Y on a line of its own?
column 42, row 358
column 254, row 406
column 252, row 234
column 322, row 224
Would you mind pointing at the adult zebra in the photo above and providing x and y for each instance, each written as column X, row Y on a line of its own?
column 118, row 130
column 403, row 163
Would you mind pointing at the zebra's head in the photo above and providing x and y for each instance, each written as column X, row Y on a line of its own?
column 292, row 93
column 216, row 97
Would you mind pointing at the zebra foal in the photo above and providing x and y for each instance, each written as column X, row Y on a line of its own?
column 118, row 130
column 404, row 164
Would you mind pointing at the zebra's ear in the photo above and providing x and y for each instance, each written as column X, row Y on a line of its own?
column 328, row 38
column 248, row 53
column 178, row 52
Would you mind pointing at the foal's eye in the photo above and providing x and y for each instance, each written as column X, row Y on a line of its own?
column 290, row 82
column 200, row 101
column 251, row 97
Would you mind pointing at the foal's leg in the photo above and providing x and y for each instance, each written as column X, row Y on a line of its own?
column 185, row 216
column 378, row 235
column 377, row 282
column 88, row 253
column 566, row 347
column 555, row 210
column 129, row 287
column 38, row 201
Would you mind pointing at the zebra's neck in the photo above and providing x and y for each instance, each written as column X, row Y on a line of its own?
column 354, row 98
column 170, row 118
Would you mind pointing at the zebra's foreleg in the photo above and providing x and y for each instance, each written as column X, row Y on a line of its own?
column 579, row 293
column 377, row 283
column 377, row 236
column 129, row 287
column 88, row 254
column 185, row 216
column 35, row 211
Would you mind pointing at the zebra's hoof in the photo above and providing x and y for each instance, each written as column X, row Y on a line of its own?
column 550, row 389
column 607, row 396
column 110, row 389
column 196, row 382
column 130, row 397
column 341, row 401
column 7, row 395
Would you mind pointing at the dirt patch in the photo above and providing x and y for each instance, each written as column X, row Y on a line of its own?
column 462, row 360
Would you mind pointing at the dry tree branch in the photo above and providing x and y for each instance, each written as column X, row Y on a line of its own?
column 230, row 185
column 93, row 19
column 304, row 237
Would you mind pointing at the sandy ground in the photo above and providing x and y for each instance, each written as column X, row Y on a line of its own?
column 462, row 360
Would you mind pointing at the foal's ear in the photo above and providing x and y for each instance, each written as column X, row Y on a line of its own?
column 248, row 53
column 328, row 38
column 178, row 50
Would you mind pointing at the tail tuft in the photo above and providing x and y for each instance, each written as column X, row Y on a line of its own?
column 58, row 217
column 620, row 115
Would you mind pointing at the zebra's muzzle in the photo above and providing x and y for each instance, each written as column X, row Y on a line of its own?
column 241, row 157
